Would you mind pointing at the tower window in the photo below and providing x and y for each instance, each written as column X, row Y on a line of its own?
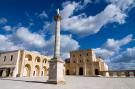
column 11, row 57
column 80, row 61
column 4, row 58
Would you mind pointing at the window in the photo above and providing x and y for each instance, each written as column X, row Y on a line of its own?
column 80, row 55
column 87, row 54
column 4, row 58
column 45, row 61
column 73, row 61
column 11, row 57
column 87, row 60
column 80, row 61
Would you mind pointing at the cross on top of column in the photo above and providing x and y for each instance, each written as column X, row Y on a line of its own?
column 58, row 11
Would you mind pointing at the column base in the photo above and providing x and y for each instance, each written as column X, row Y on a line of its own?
column 56, row 71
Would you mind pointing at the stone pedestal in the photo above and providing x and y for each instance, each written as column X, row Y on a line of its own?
column 56, row 71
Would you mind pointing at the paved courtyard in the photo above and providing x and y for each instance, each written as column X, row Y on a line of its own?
column 72, row 82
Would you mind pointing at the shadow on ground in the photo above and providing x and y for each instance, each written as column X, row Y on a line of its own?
column 25, row 81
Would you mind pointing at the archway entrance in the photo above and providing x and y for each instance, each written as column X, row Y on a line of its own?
column 67, row 72
column 37, row 70
column 27, row 70
column 96, row 72
column 8, row 72
column 1, row 71
column 81, row 71
column 44, row 72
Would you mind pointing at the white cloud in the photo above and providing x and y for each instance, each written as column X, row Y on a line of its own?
column 6, row 44
column 3, row 20
column 127, row 56
column 123, row 4
column 83, row 25
column 67, row 44
column 104, row 53
column 69, row 8
column 124, row 60
column 113, row 54
column 43, row 15
column 32, row 39
column 7, row 28
column 87, row 1
column 114, row 45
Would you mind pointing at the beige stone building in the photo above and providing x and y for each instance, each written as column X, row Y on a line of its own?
column 22, row 63
column 85, row 62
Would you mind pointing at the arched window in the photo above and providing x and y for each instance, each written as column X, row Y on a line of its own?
column 37, row 59
column 37, row 70
column 44, row 60
column 28, row 57
column 44, row 71
column 27, row 70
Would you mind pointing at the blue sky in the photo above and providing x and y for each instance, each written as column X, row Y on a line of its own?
column 106, row 26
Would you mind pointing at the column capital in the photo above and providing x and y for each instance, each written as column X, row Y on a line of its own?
column 57, row 18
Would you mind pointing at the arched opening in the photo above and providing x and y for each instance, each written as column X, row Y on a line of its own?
column 37, row 70
column 37, row 59
column 45, row 60
column 27, row 70
column 28, row 57
column 96, row 72
column 1, row 71
column 67, row 72
column 8, row 72
column 44, row 71
column 81, row 71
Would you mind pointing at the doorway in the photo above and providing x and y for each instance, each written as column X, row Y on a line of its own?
column 96, row 72
column 81, row 71
column 8, row 72
column 1, row 71
column 67, row 72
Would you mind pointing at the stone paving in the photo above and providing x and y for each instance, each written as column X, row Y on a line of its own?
column 72, row 82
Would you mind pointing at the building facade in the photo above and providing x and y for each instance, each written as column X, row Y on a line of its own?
column 85, row 62
column 22, row 63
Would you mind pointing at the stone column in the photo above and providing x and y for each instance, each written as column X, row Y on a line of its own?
column 56, row 65
column 85, row 68
column 57, row 18
column 76, row 69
